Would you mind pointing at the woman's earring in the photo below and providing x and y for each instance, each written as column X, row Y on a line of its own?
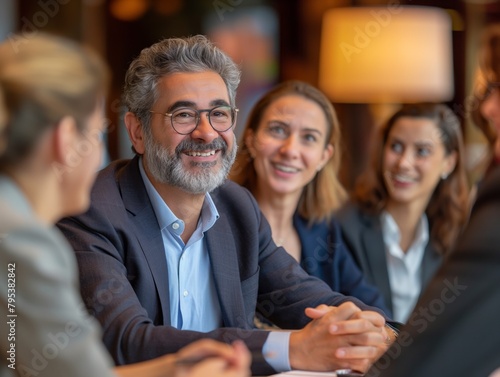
column 444, row 176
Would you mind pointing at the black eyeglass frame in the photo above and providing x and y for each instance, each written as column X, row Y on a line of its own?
column 234, row 113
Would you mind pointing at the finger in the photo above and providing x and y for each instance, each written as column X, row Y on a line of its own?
column 371, row 316
column 354, row 326
column 371, row 339
column 357, row 352
column 318, row 311
column 210, row 367
column 242, row 356
column 342, row 312
column 206, row 348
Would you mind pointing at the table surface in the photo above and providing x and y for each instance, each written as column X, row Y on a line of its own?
column 300, row 373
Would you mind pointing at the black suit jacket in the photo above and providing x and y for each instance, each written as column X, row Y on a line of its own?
column 123, row 270
column 362, row 234
column 454, row 329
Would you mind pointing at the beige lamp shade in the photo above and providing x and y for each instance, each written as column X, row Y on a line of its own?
column 389, row 54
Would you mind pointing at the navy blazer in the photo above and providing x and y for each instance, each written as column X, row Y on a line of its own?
column 325, row 255
column 124, row 281
column 363, row 236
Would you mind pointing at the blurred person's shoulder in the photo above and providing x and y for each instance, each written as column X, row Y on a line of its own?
column 489, row 189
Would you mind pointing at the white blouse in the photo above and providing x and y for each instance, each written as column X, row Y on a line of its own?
column 405, row 269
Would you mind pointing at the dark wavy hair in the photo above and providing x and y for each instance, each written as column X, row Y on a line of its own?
column 324, row 194
column 446, row 210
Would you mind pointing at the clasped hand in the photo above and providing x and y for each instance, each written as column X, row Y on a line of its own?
column 216, row 359
column 338, row 337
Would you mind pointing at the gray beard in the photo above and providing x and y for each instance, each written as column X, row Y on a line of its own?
column 167, row 167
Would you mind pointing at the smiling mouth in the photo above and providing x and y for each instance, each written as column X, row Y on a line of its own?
column 285, row 169
column 200, row 154
column 402, row 178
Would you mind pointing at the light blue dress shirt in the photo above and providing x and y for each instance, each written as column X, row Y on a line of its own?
column 194, row 303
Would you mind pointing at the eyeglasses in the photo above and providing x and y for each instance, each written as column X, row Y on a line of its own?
column 185, row 120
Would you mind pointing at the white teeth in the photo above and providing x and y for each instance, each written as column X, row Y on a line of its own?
column 403, row 178
column 200, row 154
column 286, row 169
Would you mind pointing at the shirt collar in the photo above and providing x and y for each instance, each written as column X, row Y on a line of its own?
column 392, row 233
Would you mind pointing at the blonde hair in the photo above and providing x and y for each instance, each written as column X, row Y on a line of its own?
column 44, row 79
column 324, row 194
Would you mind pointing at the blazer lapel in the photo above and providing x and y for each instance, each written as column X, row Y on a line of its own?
column 374, row 249
column 431, row 261
column 148, row 233
column 224, row 261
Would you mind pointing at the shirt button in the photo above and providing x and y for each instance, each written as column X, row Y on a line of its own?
column 185, row 293
column 175, row 226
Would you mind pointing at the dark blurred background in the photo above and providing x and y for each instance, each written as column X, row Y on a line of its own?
column 270, row 40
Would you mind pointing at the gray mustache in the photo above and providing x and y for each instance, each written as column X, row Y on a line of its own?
column 190, row 145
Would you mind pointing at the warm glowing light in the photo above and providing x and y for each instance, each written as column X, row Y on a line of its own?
column 386, row 54
column 128, row 10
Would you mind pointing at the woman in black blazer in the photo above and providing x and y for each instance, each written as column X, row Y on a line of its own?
column 455, row 323
column 408, row 207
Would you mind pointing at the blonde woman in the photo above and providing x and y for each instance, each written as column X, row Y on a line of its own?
column 289, row 161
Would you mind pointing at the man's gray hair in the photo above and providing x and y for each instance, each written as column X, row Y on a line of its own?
column 174, row 55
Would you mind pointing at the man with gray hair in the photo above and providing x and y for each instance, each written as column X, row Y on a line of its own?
column 171, row 252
